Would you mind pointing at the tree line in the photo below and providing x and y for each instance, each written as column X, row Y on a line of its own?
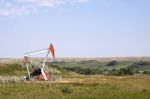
column 97, row 71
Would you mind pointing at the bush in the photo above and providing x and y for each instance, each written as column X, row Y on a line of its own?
column 146, row 72
column 112, row 63
column 140, row 64
column 84, row 71
column 66, row 90
column 126, row 71
column 114, row 72
column 96, row 71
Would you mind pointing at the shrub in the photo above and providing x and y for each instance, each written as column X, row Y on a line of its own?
column 112, row 63
column 66, row 90
column 146, row 72
column 126, row 71
column 114, row 72
column 139, row 64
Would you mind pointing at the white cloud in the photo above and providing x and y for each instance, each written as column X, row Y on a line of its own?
column 13, row 11
column 51, row 3
column 21, row 7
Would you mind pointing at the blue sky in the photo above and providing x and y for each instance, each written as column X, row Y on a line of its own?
column 77, row 28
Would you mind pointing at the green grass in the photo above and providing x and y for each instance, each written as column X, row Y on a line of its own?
column 103, row 65
column 77, row 86
column 81, row 87
column 15, row 69
column 11, row 69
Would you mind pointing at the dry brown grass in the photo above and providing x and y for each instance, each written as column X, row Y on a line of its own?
column 81, row 87
column 134, row 82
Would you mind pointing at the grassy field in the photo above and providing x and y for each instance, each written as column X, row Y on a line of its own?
column 80, row 87
column 76, row 86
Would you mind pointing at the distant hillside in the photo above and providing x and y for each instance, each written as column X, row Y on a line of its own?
column 87, row 66
column 105, row 59
column 110, row 66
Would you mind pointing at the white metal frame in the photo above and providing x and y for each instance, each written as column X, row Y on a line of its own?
column 43, row 64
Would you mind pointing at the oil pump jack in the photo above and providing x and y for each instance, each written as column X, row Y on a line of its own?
column 39, row 71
